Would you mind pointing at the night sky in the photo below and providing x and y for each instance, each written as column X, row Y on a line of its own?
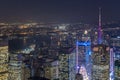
column 85, row 11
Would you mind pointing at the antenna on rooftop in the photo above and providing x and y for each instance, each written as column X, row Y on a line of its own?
column 99, row 28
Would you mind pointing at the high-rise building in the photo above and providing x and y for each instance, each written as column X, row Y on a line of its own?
column 117, row 69
column 100, row 62
column 48, row 71
column 111, row 64
column 100, row 56
column 83, row 53
column 15, row 63
column 17, row 48
column 115, row 42
column 83, row 56
column 67, row 64
column 4, row 62
column 15, row 68
column 55, row 70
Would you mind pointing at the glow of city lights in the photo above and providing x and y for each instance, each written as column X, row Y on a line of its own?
column 78, row 67
column 95, row 49
column 89, row 52
column 83, row 43
column 86, row 32
column 118, row 37
column 84, row 73
column 111, row 76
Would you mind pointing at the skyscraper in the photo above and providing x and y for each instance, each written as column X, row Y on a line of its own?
column 67, row 64
column 100, row 57
column 116, row 49
column 17, row 48
column 3, row 62
column 83, row 53
column 100, row 61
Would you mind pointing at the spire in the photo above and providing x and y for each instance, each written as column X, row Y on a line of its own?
column 99, row 28
column 99, row 17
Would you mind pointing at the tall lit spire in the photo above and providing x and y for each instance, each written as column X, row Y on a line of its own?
column 99, row 28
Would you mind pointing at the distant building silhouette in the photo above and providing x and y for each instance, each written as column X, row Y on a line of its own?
column 38, row 78
column 79, row 77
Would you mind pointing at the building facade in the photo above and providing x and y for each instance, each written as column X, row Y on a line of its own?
column 100, row 62
column 67, row 64
column 18, row 47
column 4, row 62
column 115, row 43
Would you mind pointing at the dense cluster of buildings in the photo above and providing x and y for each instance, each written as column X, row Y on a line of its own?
column 58, row 52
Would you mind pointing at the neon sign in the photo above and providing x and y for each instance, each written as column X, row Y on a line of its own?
column 83, row 43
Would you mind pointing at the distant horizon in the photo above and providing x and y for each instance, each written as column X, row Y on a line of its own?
column 85, row 11
column 57, row 22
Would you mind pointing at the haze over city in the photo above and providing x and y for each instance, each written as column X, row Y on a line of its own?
column 61, row 11
column 60, row 40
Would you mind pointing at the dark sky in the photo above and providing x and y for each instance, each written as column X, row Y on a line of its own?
column 59, row 10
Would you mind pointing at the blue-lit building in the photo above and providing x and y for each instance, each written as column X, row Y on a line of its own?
column 83, row 53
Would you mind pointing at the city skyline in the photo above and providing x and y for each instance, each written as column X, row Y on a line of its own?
column 59, row 40
column 85, row 11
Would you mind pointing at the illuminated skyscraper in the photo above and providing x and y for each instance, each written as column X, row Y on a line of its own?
column 3, row 62
column 100, row 57
column 55, row 70
column 15, row 63
column 116, row 49
column 67, row 64
column 17, row 48
column 117, row 69
column 111, row 64
column 100, row 61
column 83, row 53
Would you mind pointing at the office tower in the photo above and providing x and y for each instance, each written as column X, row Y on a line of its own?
column 67, row 64
column 115, row 43
column 25, row 71
column 52, row 70
column 100, row 57
column 116, row 48
column 117, row 69
column 83, row 53
column 18, row 47
column 100, row 62
column 111, row 64
column 15, row 68
column 48, row 71
column 86, row 38
column 55, row 70
column 4, row 62
column 15, row 63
